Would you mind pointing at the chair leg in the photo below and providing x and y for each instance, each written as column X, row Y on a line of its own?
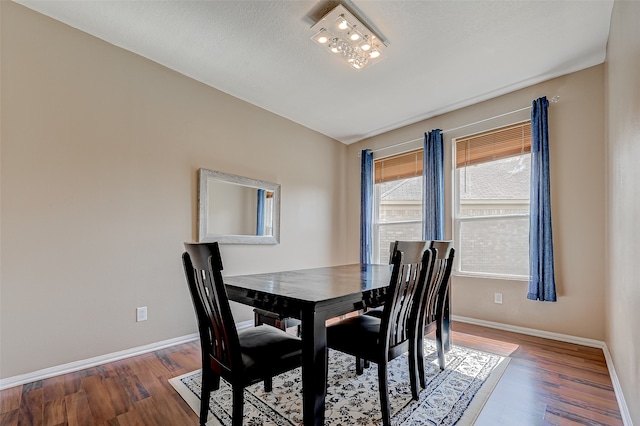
column 268, row 384
column 208, row 382
column 440, row 345
column 420, row 358
column 445, row 322
column 413, row 369
column 238, row 406
column 359, row 366
column 215, row 382
column 384, row 394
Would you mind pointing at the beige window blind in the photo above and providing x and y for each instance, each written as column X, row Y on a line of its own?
column 508, row 141
column 401, row 166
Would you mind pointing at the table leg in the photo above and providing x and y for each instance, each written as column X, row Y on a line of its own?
column 314, row 368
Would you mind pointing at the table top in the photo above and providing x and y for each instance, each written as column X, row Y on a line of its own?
column 317, row 284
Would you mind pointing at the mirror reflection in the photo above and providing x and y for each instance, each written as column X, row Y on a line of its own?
column 237, row 210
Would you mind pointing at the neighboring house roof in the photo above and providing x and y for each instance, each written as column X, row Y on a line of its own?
column 504, row 179
column 402, row 190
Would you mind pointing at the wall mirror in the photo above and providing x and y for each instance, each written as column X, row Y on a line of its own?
column 237, row 210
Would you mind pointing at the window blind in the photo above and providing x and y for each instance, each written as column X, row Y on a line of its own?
column 508, row 141
column 396, row 167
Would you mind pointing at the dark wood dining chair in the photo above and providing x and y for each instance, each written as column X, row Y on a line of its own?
column 380, row 340
column 434, row 304
column 407, row 247
column 433, row 301
column 241, row 357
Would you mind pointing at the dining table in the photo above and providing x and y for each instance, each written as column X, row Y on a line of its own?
column 315, row 296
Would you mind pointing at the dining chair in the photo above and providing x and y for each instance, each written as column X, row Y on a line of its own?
column 241, row 357
column 434, row 304
column 380, row 340
column 404, row 246
column 433, row 301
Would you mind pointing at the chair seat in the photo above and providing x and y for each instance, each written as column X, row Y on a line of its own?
column 356, row 335
column 267, row 351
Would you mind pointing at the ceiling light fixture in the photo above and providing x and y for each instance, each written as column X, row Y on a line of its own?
column 345, row 35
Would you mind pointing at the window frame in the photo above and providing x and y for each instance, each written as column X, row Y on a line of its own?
column 457, row 220
column 376, row 224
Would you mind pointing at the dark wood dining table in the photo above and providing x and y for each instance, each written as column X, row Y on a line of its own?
column 314, row 296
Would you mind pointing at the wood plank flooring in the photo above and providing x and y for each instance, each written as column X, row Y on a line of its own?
column 546, row 383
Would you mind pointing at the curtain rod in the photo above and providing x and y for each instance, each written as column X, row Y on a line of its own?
column 554, row 100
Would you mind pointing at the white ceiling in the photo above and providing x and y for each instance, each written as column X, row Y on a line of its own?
column 442, row 55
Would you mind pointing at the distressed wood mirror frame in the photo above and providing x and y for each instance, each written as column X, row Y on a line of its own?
column 212, row 228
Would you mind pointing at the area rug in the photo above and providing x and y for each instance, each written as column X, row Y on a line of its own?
column 454, row 396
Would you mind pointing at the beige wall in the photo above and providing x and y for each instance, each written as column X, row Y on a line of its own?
column 623, row 199
column 577, row 171
column 100, row 152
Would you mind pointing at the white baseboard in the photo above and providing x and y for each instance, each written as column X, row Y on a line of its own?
column 533, row 332
column 624, row 410
column 58, row 370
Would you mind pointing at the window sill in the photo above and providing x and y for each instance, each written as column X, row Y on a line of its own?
column 490, row 276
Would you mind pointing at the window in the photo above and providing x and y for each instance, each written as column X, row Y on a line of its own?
column 491, row 196
column 397, row 202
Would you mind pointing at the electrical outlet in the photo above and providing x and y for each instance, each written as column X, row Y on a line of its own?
column 141, row 314
column 497, row 298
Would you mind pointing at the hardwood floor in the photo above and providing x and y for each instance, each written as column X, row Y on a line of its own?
column 546, row 383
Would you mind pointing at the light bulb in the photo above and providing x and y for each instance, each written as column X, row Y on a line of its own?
column 323, row 39
column 374, row 53
column 365, row 44
column 343, row 25
column 354, row 36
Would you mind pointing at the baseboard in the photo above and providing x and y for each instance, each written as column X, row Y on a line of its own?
column 533, row 332
column 58, row 370
column 624, row 410
column 10, row 382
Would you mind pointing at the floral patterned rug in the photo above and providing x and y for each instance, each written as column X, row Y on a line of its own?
column 454, row 396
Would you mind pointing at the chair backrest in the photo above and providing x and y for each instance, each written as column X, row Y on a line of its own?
column 407, row 246
column 437, row 285
column 411, row 264
column 218, row 335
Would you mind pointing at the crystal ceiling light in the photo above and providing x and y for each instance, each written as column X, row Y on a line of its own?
column 344, row 35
